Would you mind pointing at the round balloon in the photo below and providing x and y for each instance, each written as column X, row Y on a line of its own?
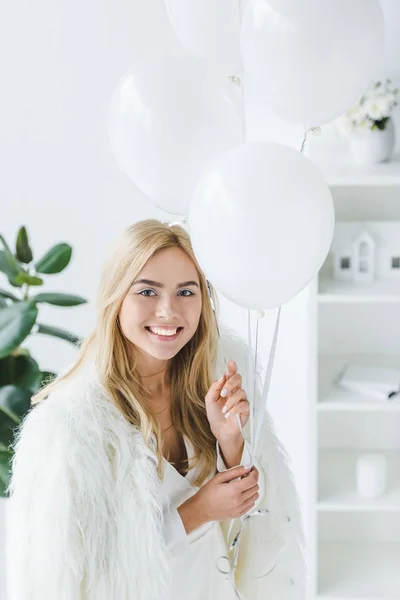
column 169, row 119
column 312, row 59
column 261, row 223
column 209, row 29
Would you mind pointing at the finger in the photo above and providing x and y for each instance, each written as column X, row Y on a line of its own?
column 248, row 505
column 248, row 494
column 237, row 397
column 231, row 368
column 231, row 385
column 247, row 482
column 241, row 408
column 214, row 393
column 234, row 473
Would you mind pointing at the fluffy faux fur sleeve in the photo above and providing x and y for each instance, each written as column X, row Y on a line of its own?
column 85, row 514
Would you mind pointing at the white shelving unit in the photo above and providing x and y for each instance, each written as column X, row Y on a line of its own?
column 356, row 551
column 348, row 175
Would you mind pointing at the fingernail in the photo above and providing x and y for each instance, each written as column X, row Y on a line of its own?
column 228, row 414
column 247, row 467
column 224, row 392
column 224, row 409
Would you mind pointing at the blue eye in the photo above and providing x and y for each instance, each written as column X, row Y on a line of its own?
column 142, row 293
column 187, row 296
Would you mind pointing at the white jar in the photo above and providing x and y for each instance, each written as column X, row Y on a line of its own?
column 371, row 475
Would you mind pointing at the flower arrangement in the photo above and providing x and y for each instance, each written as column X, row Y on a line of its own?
column 373, row 110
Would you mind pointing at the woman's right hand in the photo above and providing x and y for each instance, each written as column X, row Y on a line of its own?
column 223, row 498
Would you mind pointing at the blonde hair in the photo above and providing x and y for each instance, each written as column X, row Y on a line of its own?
column 191, row 370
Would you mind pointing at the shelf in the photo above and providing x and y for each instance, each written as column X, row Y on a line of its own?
column 350, row 404
column 332, row 398
column 331, row 291
column 337, row 483
column 327, row 597
column 384, row 174
column 359, row 570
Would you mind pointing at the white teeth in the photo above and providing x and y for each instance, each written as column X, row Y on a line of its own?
column 166, row 332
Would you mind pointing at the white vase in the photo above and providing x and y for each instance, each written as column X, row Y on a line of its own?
column 373, row 146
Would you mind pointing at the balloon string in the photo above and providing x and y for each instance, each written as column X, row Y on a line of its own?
column 314, row 131
column 267, row 382
column 304, row 142
column 250, row 372
column 255, row 360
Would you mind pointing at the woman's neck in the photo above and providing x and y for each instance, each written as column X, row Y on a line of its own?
column 156, row 382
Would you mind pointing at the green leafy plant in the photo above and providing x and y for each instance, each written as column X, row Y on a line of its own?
column 20, row 374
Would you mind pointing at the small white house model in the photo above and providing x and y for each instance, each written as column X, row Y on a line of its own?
column 363, row 258
column 366, row 251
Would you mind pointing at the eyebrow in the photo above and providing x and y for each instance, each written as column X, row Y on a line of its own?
column 161, row 285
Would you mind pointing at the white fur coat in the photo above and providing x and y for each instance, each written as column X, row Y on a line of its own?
column 86, row 516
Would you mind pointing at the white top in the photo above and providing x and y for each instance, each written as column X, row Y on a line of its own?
column 194, row 556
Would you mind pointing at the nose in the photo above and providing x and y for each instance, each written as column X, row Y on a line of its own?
column 166, row 308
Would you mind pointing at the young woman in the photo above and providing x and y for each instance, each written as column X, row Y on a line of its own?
column 130, row 466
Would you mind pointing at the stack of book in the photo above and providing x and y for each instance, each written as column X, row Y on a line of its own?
column 382, row 383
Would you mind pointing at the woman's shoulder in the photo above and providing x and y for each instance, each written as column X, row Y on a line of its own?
column 77, row 429
column 78, row 410
column 74, row 397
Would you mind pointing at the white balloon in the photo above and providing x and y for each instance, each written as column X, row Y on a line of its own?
column 209, row 29
column 265, row 125
column 313, row 59
column 261, row 223
column 169, row 119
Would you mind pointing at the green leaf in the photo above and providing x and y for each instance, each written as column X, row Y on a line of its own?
column 7, row 427
column 28, row 279
column 23, row 250
column 55, row 260
column 47, row 377
column 7, row 265
column 22, row 371
column 4, row 448
column 16, row 322
column 10, row 258
column 14, row 283
column 9, row 295
column 5, row 245
column 58, row 333
column 15, row 402
column 5, row 470
column 59, row 299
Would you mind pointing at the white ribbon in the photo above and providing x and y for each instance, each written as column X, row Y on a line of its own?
column 255, row 433
column 235, row 545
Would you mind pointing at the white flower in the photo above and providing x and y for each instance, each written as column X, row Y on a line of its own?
column 375, row 108
column 376, row 104
column 384, row 105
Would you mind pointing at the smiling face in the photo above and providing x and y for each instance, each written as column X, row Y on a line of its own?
column 162, row 309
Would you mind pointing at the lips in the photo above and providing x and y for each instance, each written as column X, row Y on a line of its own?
column 164, row 338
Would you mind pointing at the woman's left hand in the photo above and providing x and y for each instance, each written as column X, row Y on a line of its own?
column 225, row 399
